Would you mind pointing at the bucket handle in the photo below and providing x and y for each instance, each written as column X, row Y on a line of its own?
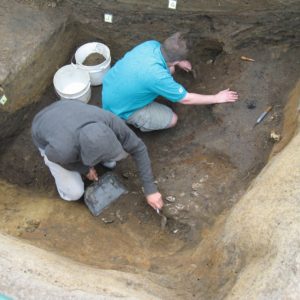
column 73, row 62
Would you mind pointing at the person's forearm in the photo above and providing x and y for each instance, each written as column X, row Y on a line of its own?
column 142, row 160
column 221, row 97
column 198, row 99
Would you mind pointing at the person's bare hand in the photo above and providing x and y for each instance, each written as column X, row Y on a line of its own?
column 226, row 96
column 92, row 174
column 155, row 200
column 184, row 65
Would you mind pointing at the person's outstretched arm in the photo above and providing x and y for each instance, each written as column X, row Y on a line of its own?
column 221, row 97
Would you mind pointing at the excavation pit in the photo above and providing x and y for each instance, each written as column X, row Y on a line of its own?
column 204, row 165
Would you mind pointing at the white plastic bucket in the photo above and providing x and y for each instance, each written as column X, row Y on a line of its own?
column 96, row 72
column 71, row 82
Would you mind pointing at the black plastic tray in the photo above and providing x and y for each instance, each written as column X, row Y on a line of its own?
column 103, row 192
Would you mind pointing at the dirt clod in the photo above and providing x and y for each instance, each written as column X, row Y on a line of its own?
column 275, row 137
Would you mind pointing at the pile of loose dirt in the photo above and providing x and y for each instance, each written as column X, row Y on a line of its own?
column 94, row 59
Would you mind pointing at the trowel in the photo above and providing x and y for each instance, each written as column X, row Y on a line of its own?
column 103, row 192
column 163, row 221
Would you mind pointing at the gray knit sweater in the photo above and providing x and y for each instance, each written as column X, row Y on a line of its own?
column 78, row 136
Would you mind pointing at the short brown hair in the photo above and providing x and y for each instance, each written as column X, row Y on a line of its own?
column 175, row 47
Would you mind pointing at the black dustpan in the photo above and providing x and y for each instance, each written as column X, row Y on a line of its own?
column 103, row 192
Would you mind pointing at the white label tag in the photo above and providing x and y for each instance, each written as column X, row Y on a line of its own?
column 108, row 18
column 172, row 4
column 3, row 100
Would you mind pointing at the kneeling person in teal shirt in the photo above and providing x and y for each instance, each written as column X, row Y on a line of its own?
column 131, row 86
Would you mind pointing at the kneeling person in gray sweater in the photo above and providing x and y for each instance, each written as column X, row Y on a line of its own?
column 73, row 137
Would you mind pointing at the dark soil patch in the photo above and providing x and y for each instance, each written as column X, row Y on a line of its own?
column 212, row 154
column 94, row 59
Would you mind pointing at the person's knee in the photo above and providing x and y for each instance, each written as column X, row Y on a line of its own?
column 72, row 195
column 76, row 195
column 173, row 121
